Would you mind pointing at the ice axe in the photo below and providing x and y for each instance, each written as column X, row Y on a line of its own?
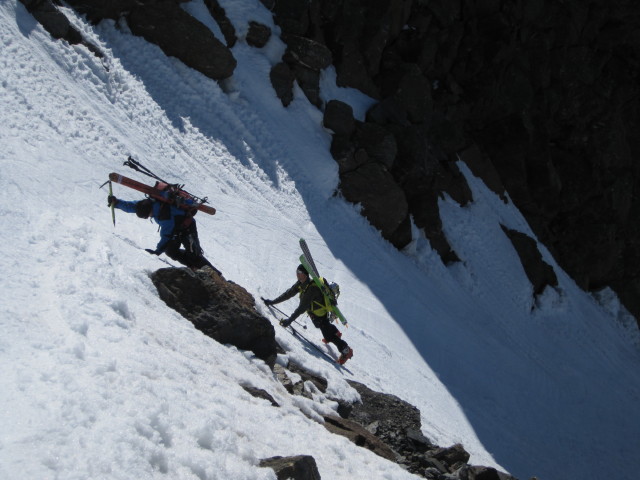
column 113, row 211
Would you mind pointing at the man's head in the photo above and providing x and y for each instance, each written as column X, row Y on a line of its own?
column 144, row 208
column 302, row 274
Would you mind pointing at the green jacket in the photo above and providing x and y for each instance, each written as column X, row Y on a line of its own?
column 311, row 299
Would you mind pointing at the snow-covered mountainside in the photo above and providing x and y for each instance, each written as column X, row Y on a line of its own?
column 102, row 380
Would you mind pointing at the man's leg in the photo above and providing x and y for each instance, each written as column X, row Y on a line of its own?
column 174, row 252
column 331, row 334
column 193, row 250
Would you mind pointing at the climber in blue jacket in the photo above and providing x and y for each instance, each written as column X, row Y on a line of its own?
column 177, row 228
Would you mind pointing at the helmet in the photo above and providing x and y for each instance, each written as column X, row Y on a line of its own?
column 335, row 289
column 144, row 207
column 301, row 269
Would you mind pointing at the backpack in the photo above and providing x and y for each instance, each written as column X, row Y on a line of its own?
column 177, row 196
column 180, row 199
column 331, row 299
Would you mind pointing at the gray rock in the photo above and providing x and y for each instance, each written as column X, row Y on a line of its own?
column 220, row 309
column 180, row 35
column 258, row 34
column 301, row 467
column 282, row 81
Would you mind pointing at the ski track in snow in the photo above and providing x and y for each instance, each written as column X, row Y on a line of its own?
column 104, row 381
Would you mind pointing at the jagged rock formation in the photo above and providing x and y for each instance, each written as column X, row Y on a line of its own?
column 161, row 22
column 57, row 24
column 540, row 98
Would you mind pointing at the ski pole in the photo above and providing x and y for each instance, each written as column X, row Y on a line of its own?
column 138, row 167
column 271, row 308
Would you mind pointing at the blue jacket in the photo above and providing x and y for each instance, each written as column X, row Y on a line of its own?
column 167, row 222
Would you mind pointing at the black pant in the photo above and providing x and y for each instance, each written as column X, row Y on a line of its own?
column 192, row 255
column 329, row 331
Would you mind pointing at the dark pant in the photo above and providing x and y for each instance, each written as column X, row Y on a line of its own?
column 192, row 255
column 329, row 332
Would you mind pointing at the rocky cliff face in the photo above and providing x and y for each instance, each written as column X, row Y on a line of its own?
column 538, row 97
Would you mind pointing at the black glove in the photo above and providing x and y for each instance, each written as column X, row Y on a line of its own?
column 267, row 301
column 111, row 200
column 152, row 252
column 285, row 322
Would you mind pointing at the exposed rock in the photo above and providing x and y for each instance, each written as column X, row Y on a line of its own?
column 482, row 168
column 306, row 52
column 258, row 34
column 220, row 309
column 541, row 100
column 338, row 117
column 387, row 416
column 97, row 10
column 319, row 382
column 282, row 81
column 269, row 4
column 259, row 393
column 383, row 201
column 180, row 35
column 220, row 16
column 344, row 151
column 451, row 456
column 299, row 386
column 539, row 272
column 291, row 15
column 57, row 24
column 309, row 81
column 358, row 435
column 379, row 143
column 301, row 467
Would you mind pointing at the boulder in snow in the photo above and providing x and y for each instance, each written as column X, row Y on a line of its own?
column 300, row 467
column 219, row 308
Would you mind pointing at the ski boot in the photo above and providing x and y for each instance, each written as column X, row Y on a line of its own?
column 347, row 353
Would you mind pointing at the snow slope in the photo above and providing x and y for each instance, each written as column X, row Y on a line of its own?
column 102, row 380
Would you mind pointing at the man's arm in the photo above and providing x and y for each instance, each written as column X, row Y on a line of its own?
column 312, row 294
column 126, row 206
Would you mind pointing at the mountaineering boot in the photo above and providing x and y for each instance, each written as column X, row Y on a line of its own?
column 339, row 335
column 347, row 353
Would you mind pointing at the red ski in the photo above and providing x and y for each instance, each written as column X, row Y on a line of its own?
column 159, row 191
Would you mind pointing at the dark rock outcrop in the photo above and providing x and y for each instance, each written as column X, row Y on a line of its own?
column 539, row 272
column 338, row 117
column 397, row 425
column 220, row 309
column 358, row 435
column 541, row 99
column 301, row 467
column 178, row 34
column 57, row 24
column 220, row 16
column 258, row 34
column 259, row 393
column 282, row 79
